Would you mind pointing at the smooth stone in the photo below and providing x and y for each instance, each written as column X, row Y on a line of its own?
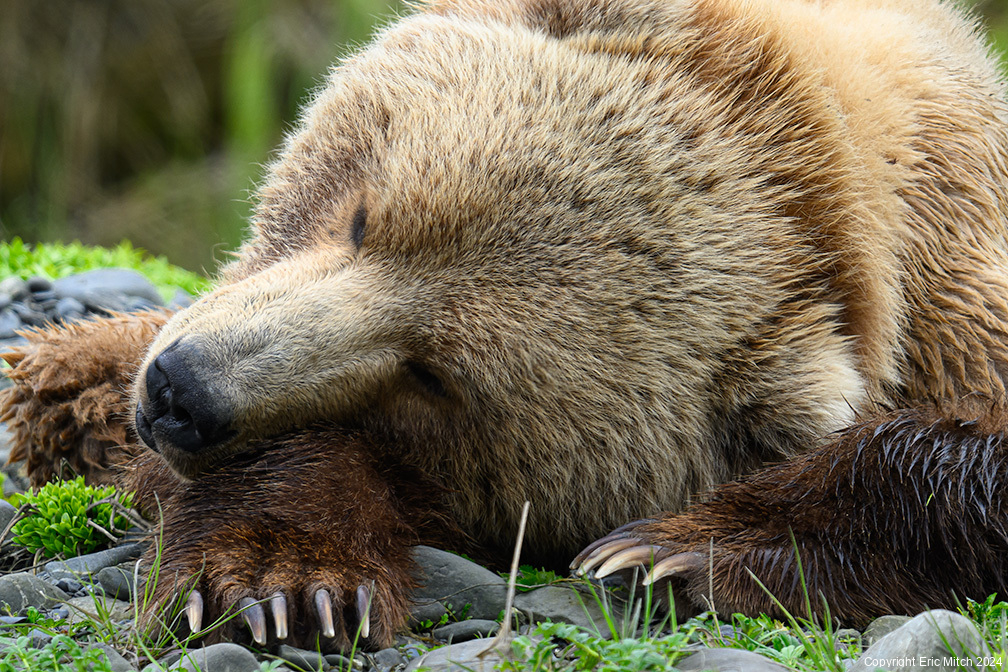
column 881, row 627
column 456, row 582
column 386, row 659
column 91, row 607
column 338, row 662
column 22, row 590
column 463, row 631
column 465, row 657
column 301, row 658
column 37, row 283
column 69, row 586
column 564, row 604
column 5, row 301
column 38, row 638
column 226, row 657
column 69, row 308
column 728, row 660
column 28, row 315
column 7, row 510
column 117, row 582
column 112, row 282
column 181, row 299
column 83, row 565
column 116, row 662
column 15, row 288
column 426, row 611
column 937, row 641
column 9, row 323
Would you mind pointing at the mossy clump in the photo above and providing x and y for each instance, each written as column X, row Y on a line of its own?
column 70, row 518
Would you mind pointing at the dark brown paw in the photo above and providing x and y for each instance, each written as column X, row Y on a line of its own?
column 317, row 609
column 300, row 542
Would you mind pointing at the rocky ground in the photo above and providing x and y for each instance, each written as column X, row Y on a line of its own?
column 456, row 611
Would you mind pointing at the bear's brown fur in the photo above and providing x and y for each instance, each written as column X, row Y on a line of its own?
column 603, row 256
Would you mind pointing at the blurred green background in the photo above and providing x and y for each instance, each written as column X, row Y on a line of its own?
column 150, row 120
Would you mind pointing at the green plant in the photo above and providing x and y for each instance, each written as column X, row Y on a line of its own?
column 61, row 654
column 56, row 260
column 530, row 578
column 70, row 518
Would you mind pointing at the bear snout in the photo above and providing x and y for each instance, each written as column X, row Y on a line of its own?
column 180, row 410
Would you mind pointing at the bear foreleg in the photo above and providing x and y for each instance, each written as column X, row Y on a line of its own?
column 900, row 513
column 69, row 408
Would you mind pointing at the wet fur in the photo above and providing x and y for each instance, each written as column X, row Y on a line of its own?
column 644, row 248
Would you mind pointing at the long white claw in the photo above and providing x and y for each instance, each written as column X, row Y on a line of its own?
column 364, row 610
column 674, row 564
column 194, row 611
column 323, row 605
column 602, row 553
column 278, row 605
column 255, row 618
column 631, row 557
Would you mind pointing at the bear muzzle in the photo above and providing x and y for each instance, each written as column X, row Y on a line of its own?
column 180, row 410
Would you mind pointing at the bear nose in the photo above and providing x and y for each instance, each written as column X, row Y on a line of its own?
column 180, row 408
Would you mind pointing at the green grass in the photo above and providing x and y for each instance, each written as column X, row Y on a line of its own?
column 56, row 260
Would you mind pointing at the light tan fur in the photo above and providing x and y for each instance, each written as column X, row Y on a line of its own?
column 645, row 246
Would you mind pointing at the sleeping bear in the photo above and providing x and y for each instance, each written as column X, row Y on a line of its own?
column 732, row 272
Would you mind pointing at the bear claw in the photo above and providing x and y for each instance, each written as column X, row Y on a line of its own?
column 674, row 565
column 194, row 611
column 323, row 605
column 629, row 557
column 278, row 606
column 255, row 618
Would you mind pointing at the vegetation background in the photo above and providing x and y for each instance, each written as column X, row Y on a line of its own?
column 150, row 120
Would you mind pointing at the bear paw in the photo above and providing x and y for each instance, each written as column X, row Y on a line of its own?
column 300, row 541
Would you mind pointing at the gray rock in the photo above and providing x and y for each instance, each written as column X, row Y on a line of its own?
column 564, row 604
column 22, row 590
column 337, row 662
column 728, row 660
column 9, row 323
column 934, row 640
column 69, row 309
column 452, row 580
column 38, row 284
column 471, row 656
column 84, row 565
column 463, row 631
column 224, row 657
column 38, row 638
column 182, row 299
column 28, row 315
column 15, row 288
column 881, row 627
column 116, row 662
column 422, row 612
column 7, row 510
column 91, row 607
column 107, row 288
column 117, row 581
column 301, row 658
column 386, row 659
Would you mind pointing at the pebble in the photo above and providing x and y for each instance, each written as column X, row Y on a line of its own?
column 881, row 627
column 728, row 660
column 85, row 565
column 225, row 657
column 301, row 658
column 463, row 631
column 22, row 590
column 7, row 510
column 117, row 582
column 471, row 656
column 9, row 323
column 455, row 581
column 387, row 659
column 564, row 604
column 937, row 640
column 116, row 662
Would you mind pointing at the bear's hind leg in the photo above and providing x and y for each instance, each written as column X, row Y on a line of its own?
column 901, row 513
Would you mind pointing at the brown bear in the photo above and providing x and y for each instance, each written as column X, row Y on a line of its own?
column 601, row 255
